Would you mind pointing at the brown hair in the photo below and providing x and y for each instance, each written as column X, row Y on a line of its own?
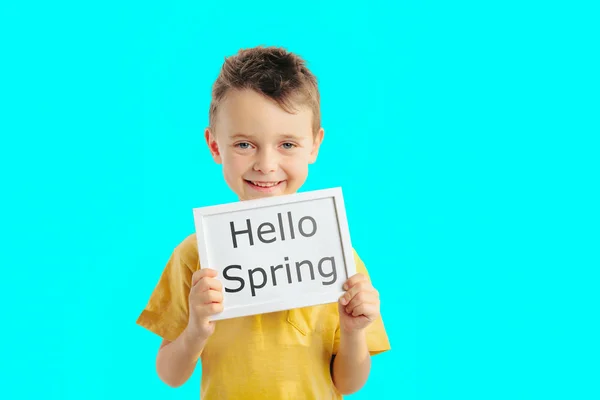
column 273, row 72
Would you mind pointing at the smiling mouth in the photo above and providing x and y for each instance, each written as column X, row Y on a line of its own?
column 263, row 185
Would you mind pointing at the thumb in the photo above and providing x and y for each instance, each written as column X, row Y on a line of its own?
column 341, row 309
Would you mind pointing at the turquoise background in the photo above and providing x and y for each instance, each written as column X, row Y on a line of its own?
column 464, row 134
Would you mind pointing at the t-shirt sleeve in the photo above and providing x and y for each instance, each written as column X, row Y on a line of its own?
column 166, row 313
column 377, row 339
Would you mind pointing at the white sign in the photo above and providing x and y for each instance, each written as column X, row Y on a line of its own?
column 277, row 253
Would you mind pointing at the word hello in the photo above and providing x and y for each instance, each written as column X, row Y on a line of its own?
column 268, row 233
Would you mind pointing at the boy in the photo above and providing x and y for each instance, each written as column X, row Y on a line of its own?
column 264, row 128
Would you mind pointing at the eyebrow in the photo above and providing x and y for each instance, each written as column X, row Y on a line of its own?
column 284, row 136
column 293, row 137
column 239, row 136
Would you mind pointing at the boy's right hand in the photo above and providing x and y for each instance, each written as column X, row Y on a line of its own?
column 205, row 300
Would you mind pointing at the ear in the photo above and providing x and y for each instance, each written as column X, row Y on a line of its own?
column 316, row 145
column 213, row 146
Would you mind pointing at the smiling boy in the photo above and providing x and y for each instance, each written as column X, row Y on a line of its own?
column 265, row 130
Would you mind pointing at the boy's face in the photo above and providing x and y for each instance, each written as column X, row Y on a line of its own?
column 264, row 150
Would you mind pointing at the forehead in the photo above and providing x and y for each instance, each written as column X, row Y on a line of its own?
column 249, row 112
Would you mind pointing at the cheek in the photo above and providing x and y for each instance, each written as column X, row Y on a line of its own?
column 296, row 168
column 235, row 164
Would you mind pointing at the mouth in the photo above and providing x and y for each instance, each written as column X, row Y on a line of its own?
column 264, row 186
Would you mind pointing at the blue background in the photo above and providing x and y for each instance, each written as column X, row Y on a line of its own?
column 464, row 134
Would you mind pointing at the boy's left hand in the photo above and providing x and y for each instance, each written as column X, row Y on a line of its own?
column 359, row 306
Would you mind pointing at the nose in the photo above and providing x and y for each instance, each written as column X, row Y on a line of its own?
column 266, row 161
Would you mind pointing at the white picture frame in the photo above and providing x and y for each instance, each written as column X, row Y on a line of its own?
column 210, row 230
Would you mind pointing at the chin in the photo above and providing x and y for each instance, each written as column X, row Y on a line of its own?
column 261, row 195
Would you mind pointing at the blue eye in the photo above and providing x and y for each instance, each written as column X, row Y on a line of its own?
column 243, row 145
column 288, row 145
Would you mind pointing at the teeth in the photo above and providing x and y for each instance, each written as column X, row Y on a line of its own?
column 265, row 184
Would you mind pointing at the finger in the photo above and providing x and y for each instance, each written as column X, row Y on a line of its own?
column 369, row 311
column 360, row 298
column 211, row 296
column 353, row 280
column 359, row 287
column 215, row 308
column 208, row 284
column 214, row 284
column 201, row 273
column 210, row 309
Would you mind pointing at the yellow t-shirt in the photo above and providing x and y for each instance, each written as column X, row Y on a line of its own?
column 278, row 355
